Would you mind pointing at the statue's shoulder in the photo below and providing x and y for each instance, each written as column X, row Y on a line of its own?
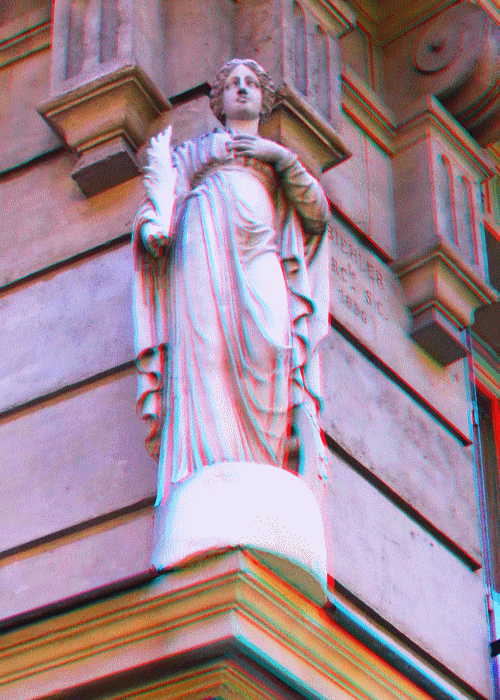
column 206, row 139
column 196, row 155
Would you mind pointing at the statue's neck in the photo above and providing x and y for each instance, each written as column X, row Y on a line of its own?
column 243, row 126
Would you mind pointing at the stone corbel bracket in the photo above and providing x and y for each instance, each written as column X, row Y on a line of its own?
column 442, row 294
column 437, row 170
column 297, row 125
column 104, row 121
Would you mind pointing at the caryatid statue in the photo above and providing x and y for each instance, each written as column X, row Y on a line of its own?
column 231, row 298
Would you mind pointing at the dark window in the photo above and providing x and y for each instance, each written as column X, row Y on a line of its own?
column 489, row 442
column 493, row 257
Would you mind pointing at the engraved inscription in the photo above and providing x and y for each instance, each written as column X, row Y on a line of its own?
column 360, row 284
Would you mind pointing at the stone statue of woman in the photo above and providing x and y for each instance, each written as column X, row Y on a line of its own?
column 231, row 293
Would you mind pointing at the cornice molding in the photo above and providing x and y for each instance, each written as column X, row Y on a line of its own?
column 367, row 110
column 426, row 116
column 231, row 600
column 25, row 44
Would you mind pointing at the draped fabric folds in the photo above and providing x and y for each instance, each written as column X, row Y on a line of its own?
column 229, row 319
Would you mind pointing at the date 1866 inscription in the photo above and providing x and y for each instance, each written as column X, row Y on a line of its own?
column 359, row 283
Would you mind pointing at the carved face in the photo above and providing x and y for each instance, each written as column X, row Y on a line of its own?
column 242, row 94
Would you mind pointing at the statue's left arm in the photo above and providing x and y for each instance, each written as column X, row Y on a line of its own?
column 301, row 189
column 304, row 193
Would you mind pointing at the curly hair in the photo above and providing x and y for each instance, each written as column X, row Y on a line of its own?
column 266, row 84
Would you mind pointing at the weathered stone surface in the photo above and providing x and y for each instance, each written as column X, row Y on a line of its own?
column 44, row 218
column 72, row 459
column 209, row 39
column 76, row 564
column 361, row 188
column 66, row 326
column 385, row 430
column 189, row 120
column 24, row 135
column 20, row 16
column 408, row 578
column 367, row 299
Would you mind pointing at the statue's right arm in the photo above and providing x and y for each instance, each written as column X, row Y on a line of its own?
column 168, row 183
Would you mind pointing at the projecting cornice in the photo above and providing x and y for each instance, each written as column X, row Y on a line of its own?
column 225, row 627
column 453, row 56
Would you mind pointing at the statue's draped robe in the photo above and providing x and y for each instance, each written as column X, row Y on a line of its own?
column 229, row 318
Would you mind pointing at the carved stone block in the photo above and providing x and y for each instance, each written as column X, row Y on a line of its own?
column 104, row 121
column 437, row 334
column 299, row 127
column 442, row 292
column 105, row 165
column 441, row 263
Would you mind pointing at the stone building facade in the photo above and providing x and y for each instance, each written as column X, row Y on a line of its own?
column 411, row 365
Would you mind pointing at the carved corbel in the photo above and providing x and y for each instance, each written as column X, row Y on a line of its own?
column 454, row 57
column 104, row 86
column 439, row 165
column 306, row 117
column 438, row 169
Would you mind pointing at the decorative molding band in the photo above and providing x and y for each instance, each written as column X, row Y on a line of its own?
column 229, row 602
column 25, row 44
column 367, row 110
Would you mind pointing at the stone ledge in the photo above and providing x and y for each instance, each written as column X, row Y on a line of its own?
column 442, row 293
column 228, row 604
column 104, row 121
column 25, row 43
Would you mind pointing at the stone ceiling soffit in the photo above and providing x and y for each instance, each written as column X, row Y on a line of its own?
column 386, row 20
column 398, row 18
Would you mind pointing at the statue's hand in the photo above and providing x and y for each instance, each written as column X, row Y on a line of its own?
column 262, row 149
column 154, row 238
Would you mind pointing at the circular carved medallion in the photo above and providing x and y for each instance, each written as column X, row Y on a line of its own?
column 438, row 47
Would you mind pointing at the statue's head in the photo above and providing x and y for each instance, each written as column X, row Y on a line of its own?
column 266, row 85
